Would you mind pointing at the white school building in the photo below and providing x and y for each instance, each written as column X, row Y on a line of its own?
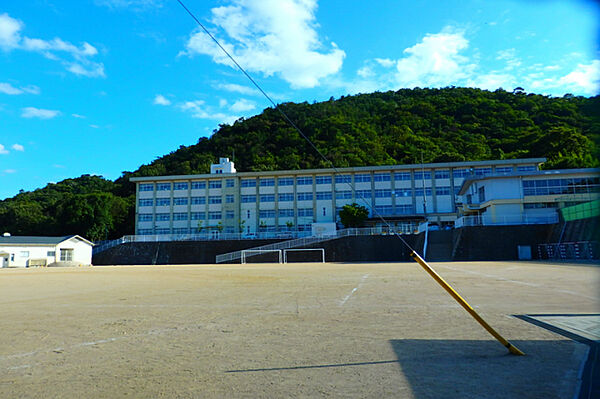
column 30, row 251
column 249, row 203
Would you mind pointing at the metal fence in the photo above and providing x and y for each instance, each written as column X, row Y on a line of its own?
column 505, row 220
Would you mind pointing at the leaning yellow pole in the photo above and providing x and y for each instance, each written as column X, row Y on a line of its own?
column 512, row 349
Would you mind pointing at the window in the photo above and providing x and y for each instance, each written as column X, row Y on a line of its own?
column 198, row 200
column 163, row 217
column 66, row 255
column 324, row 195
column 145, row 232
column 442, row 174
column 180, row 216
column 163, row 186
column 304, row 180
column 285, row 181
column 286, row 213
column 343, row 194
column 229, row 198
column 420, row 175
column 198, row 216
column 481, row 193
column 24, row 254
column 404, row 209
column 400, row 176
column 540, row 205
column 248, row 213
column 504, row 169
column 214, row 199
column 163, row 231
column 384, row 209
column 51, row 253
column 163, row 201
column 323, row 179
column 180, row 201
column 366, row 194
column 214, row 215
column 442, row 190
column 180, row 186
column 248, row 183
column 404, row 192
column 181, row 230
column 305, row 196
column 229, row 183
column 303, row 212
column 229, row 214
column 286, row 197
column 382, row 177
column 460, row 173
column 145, row 217
column 419, row 192
column 383, row 193
column 324, row 211
column 198, row 185
column 483, row 172
column 248, row 198
column 362, row 177
column 267, row 198
column 343, row 179
column 266, row 182
column 266, row 213
column 527, row 168
column 145, row 202
column 146, row 187
column 304, row 227
column 214, row 184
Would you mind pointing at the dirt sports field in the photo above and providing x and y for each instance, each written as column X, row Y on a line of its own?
column 293, row 330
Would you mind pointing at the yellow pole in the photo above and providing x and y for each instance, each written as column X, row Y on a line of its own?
column 512, row 349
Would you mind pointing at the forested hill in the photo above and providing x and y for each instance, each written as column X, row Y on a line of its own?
column 451, row 124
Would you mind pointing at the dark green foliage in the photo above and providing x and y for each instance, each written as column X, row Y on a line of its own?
column 353, row 215
column 442, row 125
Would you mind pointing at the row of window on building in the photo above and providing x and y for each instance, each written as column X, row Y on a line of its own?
column 338, row 179
column 267, row 228
column 307, row 196
column 561, row 186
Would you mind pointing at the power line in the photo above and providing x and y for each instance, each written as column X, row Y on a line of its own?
column 284, row 115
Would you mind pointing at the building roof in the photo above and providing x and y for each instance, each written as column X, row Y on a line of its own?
column 37, row 240
column 440, row 165
column 538, row 173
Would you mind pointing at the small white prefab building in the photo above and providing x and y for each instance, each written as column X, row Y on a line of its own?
column 29, row 251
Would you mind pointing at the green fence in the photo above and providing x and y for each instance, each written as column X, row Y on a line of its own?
column 581, row 211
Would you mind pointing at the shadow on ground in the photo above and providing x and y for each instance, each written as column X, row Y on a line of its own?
column 484, row 369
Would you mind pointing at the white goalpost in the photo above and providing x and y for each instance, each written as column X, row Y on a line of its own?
column 254, row 252
column 322, row 250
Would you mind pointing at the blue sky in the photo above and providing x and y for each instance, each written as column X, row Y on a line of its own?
column 103, row 86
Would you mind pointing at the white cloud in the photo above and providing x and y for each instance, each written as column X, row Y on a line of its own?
column 235, row 88
column 385, row 62
column 7, row 88
column 585, row 78
column 9, row 32
column 493, row 81
column 242, row 105
column 3, row 150
column 78, row 116
column 95, row 126
column 18, row 147
column 10, row 171
column 510, row 57
column 435, row 61
column 199, row 109
column 273, row 37
column 31, row 112
column 161, row 100
column 136, row 5
column 80, row 62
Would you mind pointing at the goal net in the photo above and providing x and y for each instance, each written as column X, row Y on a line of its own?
column 246, row 253
column 319, row 251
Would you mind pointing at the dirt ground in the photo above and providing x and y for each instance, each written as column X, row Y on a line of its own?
column 293, row 330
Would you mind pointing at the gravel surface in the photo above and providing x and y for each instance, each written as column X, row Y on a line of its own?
column 293, row 330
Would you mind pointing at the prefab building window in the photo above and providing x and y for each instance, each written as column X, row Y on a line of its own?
column 66, row 255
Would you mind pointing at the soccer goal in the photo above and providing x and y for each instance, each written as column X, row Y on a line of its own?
column 254, row 252
column 321, row 250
